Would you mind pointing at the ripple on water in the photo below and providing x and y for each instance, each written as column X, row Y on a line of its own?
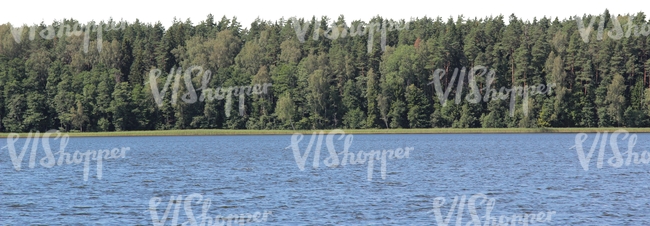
column 246, row 174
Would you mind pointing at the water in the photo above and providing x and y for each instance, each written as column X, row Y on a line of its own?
column 523, row 173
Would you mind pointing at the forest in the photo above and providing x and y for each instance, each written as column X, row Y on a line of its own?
column 325, row 73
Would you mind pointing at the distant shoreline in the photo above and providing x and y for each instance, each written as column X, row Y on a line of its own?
column 229, row 132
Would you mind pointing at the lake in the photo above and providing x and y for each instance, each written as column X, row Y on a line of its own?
column 268, row 180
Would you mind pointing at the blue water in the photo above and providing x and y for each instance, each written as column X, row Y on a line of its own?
column 523, row 173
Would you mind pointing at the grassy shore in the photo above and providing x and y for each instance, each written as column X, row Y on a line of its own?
column 212, row 132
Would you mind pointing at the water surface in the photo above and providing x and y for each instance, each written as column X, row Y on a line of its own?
column 524, row 173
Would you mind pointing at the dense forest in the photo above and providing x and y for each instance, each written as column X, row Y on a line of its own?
column 325, row 73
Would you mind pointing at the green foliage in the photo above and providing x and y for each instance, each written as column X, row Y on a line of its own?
column 286, row 109
column 418, row 107
column 326, row 83
column 354, row 119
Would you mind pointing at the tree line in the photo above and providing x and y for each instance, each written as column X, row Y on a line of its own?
column 326, row 83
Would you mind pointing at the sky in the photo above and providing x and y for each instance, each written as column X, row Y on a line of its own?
column 35, row 11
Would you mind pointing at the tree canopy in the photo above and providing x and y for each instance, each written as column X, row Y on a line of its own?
column 326, row 73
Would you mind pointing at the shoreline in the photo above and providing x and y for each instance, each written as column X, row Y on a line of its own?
column 230, row 132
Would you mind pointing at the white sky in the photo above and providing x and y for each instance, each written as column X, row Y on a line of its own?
column 35, row 11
